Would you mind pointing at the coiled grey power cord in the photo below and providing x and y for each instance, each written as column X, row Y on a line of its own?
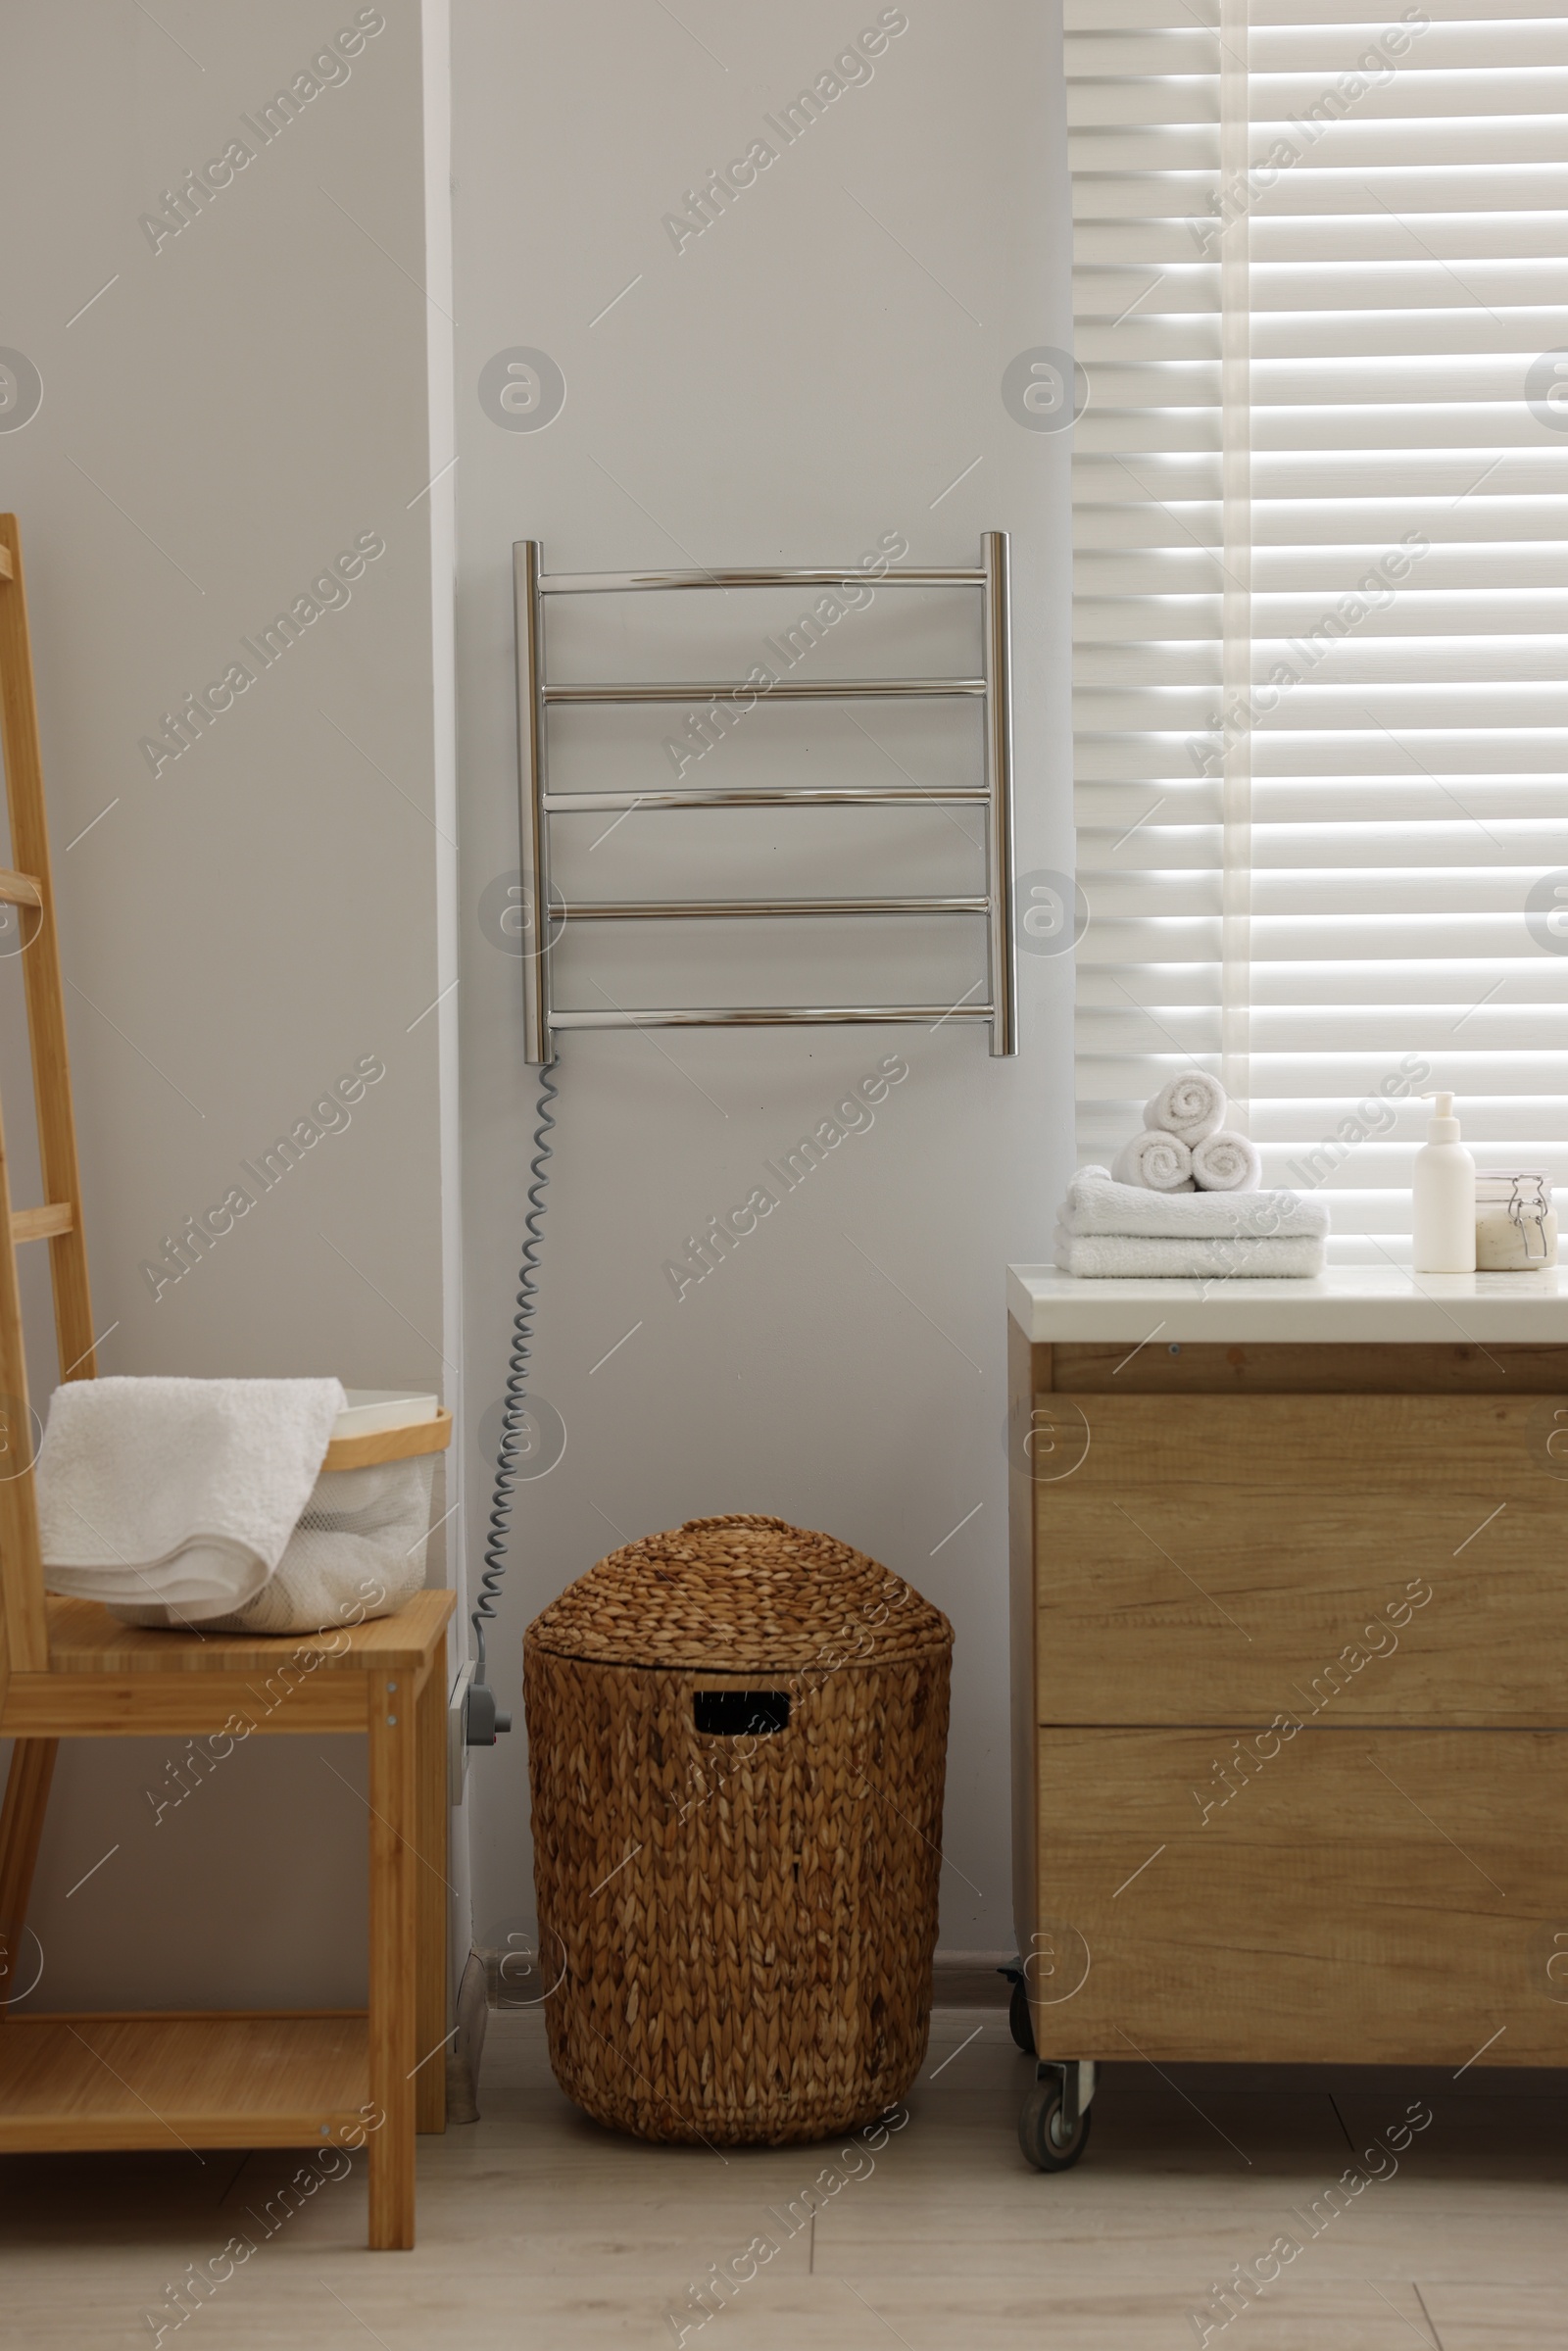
column 482, row 1720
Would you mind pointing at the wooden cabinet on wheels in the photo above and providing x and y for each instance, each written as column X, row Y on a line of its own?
column 1290, row 1632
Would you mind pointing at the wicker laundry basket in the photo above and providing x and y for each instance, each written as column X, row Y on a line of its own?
column 736, row 1738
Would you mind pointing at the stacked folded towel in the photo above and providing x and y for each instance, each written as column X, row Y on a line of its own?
column 1186, row 1145
column 178, row 1492
column 1106, row 1228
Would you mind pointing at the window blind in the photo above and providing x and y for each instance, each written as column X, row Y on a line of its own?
column 1321, row 578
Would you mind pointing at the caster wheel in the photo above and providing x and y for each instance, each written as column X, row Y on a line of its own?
column 1040, row 2130
column 1018, row 2019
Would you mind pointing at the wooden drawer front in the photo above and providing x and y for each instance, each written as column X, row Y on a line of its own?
column 1377, row 1559
column 1366, row 1897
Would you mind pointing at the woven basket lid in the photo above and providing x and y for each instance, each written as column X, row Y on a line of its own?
column 730, row 1595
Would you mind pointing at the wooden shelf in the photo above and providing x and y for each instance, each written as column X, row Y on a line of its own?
column 85, row 1638
column 112, row 1680
column 193, row 2081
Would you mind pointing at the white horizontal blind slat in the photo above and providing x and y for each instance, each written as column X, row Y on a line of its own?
column 1398, row 701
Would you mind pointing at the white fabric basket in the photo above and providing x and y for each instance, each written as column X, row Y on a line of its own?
column 357, row 1552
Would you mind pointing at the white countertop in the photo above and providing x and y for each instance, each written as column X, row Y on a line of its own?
column 1384, row 1302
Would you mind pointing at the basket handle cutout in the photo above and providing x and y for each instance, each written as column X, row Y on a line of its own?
column 733, row 1713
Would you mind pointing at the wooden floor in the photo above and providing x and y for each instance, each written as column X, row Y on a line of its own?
column 538, row 2230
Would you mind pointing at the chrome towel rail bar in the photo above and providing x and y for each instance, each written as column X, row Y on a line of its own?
column 537, row 803
column 781, row 796
column 684, row 910
column 769, row 1016
column 787, row 689
column 611, row 583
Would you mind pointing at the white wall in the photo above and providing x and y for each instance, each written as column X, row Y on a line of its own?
column 230, row 413
column 797, row 381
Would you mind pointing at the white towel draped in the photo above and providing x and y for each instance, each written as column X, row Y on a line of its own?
column 183, row 1493
column 358, row 1552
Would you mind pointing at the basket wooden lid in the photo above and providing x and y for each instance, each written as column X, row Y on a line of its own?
column 730, row 1595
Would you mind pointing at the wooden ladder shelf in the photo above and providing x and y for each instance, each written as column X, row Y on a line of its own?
column 69, row 1670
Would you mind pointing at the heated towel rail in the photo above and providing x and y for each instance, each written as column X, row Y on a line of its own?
column 543, row 1018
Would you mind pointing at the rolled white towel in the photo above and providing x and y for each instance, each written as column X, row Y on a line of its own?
column 1226, row 1163
column 1191, row 1106
column 1158, row 1162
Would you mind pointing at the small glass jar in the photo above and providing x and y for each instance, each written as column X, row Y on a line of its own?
column 1516, row 1224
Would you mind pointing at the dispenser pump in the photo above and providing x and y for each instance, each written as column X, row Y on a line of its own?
column 1443, row 1195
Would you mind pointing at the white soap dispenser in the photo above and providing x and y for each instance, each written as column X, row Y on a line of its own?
column 1443, row 1195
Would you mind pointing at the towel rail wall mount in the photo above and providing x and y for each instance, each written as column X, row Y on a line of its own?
column 544, row 1020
